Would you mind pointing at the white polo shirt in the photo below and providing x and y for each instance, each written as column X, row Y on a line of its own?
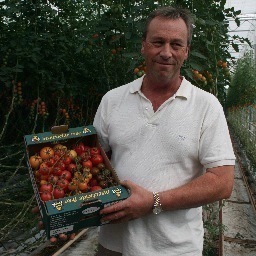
column 161, row 150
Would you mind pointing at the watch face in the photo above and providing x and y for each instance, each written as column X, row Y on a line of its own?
column 157, row 210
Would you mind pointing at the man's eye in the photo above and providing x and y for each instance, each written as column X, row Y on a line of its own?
column 176, row 46
column 157, row 43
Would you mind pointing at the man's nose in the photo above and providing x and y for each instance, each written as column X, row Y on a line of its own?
column 166, row 51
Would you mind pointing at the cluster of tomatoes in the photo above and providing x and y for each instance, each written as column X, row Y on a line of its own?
column 61, row 172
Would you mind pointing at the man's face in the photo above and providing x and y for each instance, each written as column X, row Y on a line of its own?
column 165, row 48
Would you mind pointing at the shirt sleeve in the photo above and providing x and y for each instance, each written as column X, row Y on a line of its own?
column 101, row 126
column 215, row 143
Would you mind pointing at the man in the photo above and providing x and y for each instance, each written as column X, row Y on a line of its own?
column 170, row 144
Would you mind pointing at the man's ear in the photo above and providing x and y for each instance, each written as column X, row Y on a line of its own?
column 142, row 46
column 187, row 51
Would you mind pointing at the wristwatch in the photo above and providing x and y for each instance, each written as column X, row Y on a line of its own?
column 157, row 207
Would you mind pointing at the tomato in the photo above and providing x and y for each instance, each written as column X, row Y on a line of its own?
column 79, row 148
column 56, row 159
column 72, row 186
column 72, row 154
column 85, row 155
column 93, row 182
column 53, row 239
column 43, row 182
column 95, row 188
column 60, row 149
column 37, row 174
column 50, row 162
column 95, row 151
column 53, row 179
column 46, row 153
column 63, row 237
column 46, row 187
column 96, row 159
column 44, row 169
column 57, row 171
column 35, row 161
column 87, row 163
column 95, row 171
column 83, row 186
column 67, row 160
column 61, row 165
column 72, row 168
column 44, row 177
column 78, row 175
column 101, row 166
column 46, row 196
column 63, row 183
column 66, row 175
column 58, row 193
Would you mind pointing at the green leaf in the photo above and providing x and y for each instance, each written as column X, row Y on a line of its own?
column 198, row 54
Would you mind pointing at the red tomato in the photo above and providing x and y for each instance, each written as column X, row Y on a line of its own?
column 50, row 162
column 53, row 239
column 46, row 196
column 79, row 148
column 72, row 168
column 44, row 177
column 87, row 163
column 67, row 160
column 63, row 183
column 46, row 153
column 57, row 171
column 61, row 165
column 44, row 169
column 46, row 187
column 93, row 182
column 58, row 193
column 96, row 159
column 66, row 175
column 95, row 188
column 95, row 151
column 85, row 155
column 56, row 158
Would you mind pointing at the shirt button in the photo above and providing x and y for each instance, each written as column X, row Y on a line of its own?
column 146, row 108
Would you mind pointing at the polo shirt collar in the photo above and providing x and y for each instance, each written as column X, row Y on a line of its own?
column 184, row 90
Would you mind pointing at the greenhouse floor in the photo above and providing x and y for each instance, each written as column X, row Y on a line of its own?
column 239, row 219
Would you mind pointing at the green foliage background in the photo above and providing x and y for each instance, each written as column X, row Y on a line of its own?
column 242, row 89
column 62, row 56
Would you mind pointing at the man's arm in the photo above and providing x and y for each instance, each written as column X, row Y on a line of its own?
column 214, row 185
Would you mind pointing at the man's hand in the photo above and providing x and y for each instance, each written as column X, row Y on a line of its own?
column 139, row 204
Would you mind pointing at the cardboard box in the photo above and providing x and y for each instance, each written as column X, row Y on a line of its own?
column 69, row 214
